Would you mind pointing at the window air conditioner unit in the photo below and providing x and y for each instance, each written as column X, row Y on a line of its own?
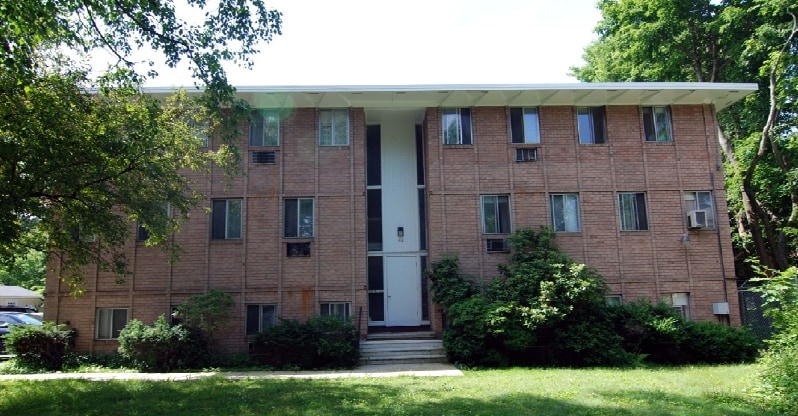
column 696, row 219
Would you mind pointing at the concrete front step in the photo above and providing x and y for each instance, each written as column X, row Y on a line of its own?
column 401, row 335
column 402, row 351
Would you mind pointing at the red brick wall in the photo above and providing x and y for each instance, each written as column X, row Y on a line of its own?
column 255, row 269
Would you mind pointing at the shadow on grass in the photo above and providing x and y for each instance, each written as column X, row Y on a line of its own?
column 217, row 396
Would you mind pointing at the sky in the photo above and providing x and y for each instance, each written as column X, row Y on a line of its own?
column 378, row 42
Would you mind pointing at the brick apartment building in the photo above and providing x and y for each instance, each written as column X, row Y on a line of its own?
column 348, row 192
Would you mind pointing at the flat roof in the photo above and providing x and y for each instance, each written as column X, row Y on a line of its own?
column 721, row 95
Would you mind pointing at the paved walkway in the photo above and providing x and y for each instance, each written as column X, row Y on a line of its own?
column 418, row 370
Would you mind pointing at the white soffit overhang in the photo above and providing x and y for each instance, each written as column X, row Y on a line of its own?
column 721, row 95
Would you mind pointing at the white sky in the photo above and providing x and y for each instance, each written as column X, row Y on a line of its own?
column 378, row 42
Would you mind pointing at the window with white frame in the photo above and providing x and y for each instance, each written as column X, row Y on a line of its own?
column 334, row 127
column 632, row 206
column 657, row 124
column 524, row 125
column 565, row 212
column 591, row 124
column 681, row 304
column 298, row 218
column 110, row 322
column 614, row 300
column 260, row 317
column 336, row 309
column 495, row 214
column 226, row 221
column 700, row 213
column 456, row 126
column 264, row 129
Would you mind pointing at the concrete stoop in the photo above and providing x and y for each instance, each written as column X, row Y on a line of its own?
column 390, row 350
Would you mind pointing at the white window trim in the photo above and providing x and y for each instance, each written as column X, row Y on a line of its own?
column 457, row 111
column 299, row 217
column 691, row 198
column 330, row 306
column 333, row 137
column 99, row 332
column 266, row 114
column 668, row 124
column 498, row 215
column 576, row 214
column 535, row 127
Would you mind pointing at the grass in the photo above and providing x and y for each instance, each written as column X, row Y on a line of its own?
column 711, row 390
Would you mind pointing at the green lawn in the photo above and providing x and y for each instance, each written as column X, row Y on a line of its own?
column 720, row 390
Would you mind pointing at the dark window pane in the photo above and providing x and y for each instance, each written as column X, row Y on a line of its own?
column 375, row 273
column 291, row 214
column 465, row 120
column 504, row 214
column 373, row 156
column 374, row 213
column 142, row 233
column 517, row 124
column 219, row 216
column 253, row 314
column 585, row 125
column 120, row 320
column 424, row 294
column 419, row 156
column 599, row 131
column 648, row 124
column 256, row 129
column 376, row 306
column 422, row 219
column 642, row 217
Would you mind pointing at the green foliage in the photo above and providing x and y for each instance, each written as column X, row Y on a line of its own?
column 162, row 347
column 726, row 41
column 447, row 285
column 39, row 346
column 780, row 361
column 206, row 313
column 84, row 156
column 321, row 342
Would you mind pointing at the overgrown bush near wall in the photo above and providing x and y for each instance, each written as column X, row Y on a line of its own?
column 546, row 309
column 321, row 342
column 780, row 361
column 162, row 347
column 43, row 347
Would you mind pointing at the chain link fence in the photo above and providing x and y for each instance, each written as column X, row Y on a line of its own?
column 752, row 314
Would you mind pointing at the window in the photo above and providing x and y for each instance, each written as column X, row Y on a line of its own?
column 298, row 217
column 260, row 317
column 699, row 205
column 110, row 322
column 495, row 214
column 334, row 127
column 457, row 126
column 590, row 121
column 681, row 304
column 633, row 211
column 142, row 234
column 526, row 155
column 264, row 129
column 565, row 212
column 226, row 220
column 200, row 130
column 81, row 234
column 524, row 125
column 614, row 300
column 338, row 309
column 657, row 124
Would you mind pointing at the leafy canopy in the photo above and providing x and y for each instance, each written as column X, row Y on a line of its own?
column 83, row 152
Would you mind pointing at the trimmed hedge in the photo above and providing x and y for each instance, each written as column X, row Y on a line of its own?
column 321, row 342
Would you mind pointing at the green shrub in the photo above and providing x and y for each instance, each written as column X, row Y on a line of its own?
column 206, row 312
column 321, row 342
column 447, row 284
column 780, row 361
column 162, row 347
column 40, row 346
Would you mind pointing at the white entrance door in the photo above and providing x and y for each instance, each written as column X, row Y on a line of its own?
column 402, row 291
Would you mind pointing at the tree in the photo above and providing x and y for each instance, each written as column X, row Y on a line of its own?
column 83, row 156
column 726, row 41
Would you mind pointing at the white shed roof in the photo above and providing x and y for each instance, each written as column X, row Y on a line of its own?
column 17, row 292
column 721, row 95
